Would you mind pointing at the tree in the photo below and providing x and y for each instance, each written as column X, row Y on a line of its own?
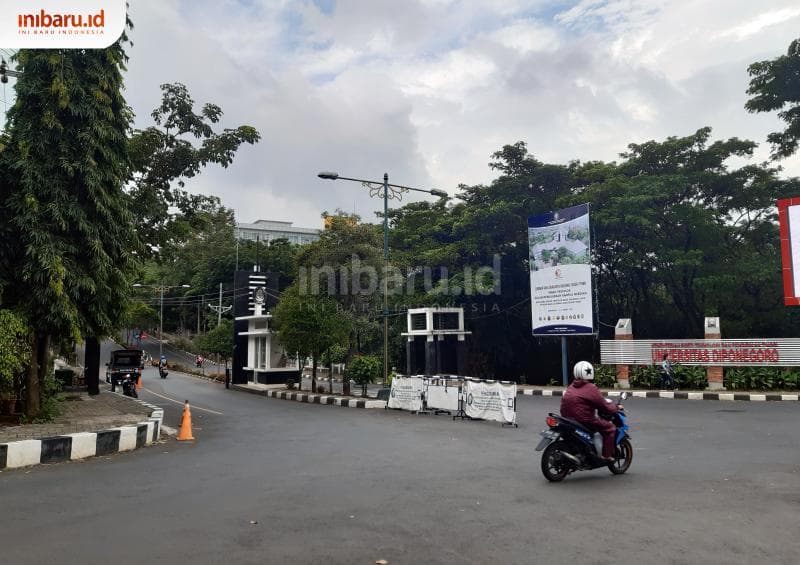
column 310, row 324
column 70, row 235
column 343, row 265
column 364, row 369
column 680, row 236
column 775, row 85
column 163, row 157
column 218, row 341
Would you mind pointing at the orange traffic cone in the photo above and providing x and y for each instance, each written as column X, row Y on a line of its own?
column 185, row 432
column 139, row 382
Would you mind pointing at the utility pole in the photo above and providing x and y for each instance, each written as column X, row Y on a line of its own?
column 219, row 309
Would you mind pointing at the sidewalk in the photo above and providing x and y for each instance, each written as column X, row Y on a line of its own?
column 86, row 426
column 533, row 390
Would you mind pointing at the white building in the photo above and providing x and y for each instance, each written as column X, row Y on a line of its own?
column 269, row 230
column 265, row 360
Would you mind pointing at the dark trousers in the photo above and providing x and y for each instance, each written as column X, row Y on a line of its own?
column 667, row 381
column 608, row 431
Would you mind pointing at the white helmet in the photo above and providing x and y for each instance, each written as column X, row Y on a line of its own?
column 583, row 370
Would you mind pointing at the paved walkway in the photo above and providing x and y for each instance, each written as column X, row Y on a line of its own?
column 82, row 413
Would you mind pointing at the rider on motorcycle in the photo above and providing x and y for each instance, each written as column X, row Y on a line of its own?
column 580, row 401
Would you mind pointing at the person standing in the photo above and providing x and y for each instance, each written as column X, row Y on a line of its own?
column 667, row 379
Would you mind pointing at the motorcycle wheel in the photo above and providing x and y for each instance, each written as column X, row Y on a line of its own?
column 623, row 458
column 554, row 466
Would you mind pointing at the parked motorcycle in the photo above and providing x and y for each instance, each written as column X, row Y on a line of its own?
column 127, row 382
column 568, row 446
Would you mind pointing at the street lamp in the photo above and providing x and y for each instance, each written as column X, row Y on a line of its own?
column 389, row 191
column 160, row 289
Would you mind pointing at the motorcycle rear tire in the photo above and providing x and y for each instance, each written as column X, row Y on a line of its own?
column 554, row 467
column 623, row 458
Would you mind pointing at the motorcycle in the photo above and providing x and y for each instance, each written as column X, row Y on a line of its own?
column 568, row 446
column 128, row 383
column 162, row 372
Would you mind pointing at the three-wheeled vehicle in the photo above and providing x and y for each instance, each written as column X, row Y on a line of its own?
column 124, row 369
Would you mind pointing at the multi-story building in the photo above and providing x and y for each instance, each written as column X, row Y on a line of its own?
column 268, row 230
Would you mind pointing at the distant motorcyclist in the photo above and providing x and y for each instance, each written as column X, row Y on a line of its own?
column 580, row 401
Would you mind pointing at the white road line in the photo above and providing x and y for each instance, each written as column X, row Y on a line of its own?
column 181, row 402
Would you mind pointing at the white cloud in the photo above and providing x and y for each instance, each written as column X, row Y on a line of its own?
column 427, row 90
column 759, row 23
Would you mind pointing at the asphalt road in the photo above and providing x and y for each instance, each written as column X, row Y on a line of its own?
column 272, row 481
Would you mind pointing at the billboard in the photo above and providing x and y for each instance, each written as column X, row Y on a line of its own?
column 561, row 272
column 789, row 219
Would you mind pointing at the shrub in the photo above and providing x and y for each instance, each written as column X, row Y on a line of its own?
column 364, row 369
column 184, row 344
column 320, row 389
column 690, row 377
column 761, row 378
column 290, row 384
column 605, row 376
column 14, row 349
column 645, row 376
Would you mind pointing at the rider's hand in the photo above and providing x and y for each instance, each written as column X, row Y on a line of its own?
column 620, row 407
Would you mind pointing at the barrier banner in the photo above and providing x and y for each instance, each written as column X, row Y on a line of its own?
column 441, row 396
column 490, row 401
column 406, row 393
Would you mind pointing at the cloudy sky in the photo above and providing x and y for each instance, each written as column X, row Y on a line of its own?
column 427, row 90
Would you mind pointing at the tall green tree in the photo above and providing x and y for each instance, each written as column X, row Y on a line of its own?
column 775, row 85
column 344, row 265
column 679, row 235
column 310, row 324
column 180, row 144
column 218, row 341
column 71, row 232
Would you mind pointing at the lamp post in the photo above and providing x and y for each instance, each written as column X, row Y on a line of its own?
column 389, row 191
column 160, row 289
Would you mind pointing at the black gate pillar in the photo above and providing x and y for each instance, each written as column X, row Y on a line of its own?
column 91, row 371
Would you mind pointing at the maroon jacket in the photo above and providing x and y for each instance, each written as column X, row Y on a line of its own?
column 581, row 399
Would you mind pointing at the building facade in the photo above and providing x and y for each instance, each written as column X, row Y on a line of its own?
column 268, row 230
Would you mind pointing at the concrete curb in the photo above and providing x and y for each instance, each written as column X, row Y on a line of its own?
column 81, row 445
column 676, row 395
column 310, row 398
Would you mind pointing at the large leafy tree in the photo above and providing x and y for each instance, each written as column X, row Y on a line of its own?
column 310, row 324
column 69, row 233
column 328, row 267
column 180, row 144
column 679, row 235
column 775, row 85
column 485, row 228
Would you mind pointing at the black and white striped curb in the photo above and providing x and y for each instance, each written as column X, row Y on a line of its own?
column 676, row 395
column 314, row 398
column 81, row 445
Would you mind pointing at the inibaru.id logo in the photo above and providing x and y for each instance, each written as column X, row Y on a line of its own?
column 45, row 22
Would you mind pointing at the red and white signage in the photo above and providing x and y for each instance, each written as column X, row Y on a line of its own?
column 789, row 221
column 707, row 352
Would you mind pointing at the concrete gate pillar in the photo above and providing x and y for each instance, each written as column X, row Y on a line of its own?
column 714, row 374
column 623, row 331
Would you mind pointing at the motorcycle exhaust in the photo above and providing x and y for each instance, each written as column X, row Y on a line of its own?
column 574, row 460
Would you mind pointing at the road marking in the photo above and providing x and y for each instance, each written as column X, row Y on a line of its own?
column 182, row 402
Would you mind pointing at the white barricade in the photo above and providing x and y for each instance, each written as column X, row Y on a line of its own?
column 491, row 400
column 441, row 394
column 406, row 393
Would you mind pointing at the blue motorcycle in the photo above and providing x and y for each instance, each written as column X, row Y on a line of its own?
column 568, row 446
